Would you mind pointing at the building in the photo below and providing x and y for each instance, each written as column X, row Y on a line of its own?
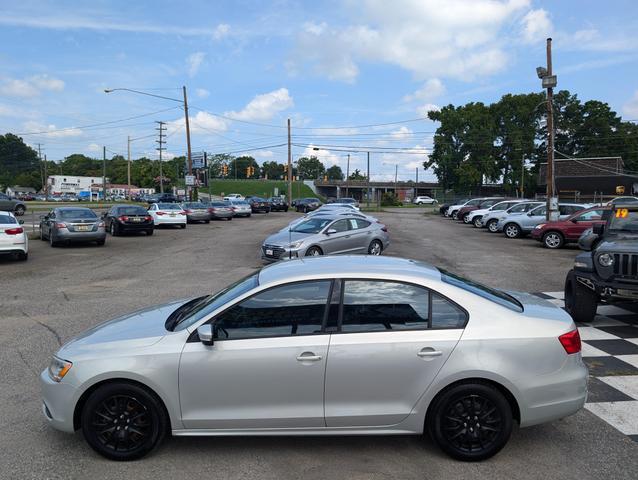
column 17, row 191
column 60, row 184
column 589, row 178
column 121, row 189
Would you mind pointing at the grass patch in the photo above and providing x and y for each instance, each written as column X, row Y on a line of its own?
column 261, row 188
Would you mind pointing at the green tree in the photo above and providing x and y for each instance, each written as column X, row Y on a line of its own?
column 310, row 167
column 18, row 158
column 238, row 168
column 357, row 175
column 273, row 170
column 335, row 173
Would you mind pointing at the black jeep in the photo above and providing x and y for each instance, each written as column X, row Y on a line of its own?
column 607, row 272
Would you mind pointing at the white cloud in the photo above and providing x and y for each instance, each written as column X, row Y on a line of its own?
column 431, row 38
column 93, row 147
column 202, row 122
column 264, row 106
column 631, row 107
column 431, row 90
column 51, row 131
column 423, row 110
column 222, row 30
column 194, row 62
column 265, row 154
column 202, row 93
column 401, row 133
column 326, row 156
column 536, row 26
column 30, row 87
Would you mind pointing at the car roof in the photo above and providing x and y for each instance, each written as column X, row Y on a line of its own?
column 346, row 266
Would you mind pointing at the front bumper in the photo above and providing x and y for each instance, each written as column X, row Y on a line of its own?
column 608, row 290
column 58, row 402
column 280, row 253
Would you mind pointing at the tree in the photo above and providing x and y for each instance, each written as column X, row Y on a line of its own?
column 216, row 161
column 310, row 167
column 18, row 158
column 272, row 170
column 238, row 167
column 335, row 173
column 357, row 175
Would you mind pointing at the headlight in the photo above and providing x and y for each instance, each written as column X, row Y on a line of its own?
column 539, row 226
column 59, row 368
column 295, row 244
column 606, row 260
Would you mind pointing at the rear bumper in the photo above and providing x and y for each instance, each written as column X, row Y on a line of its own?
column 198, row 217
column 66, row 236
column 15, row 245
column 221, row 215
column 170, row 220
column 135, row 227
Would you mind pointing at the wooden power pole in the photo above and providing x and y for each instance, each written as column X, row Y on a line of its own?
column 289, row 165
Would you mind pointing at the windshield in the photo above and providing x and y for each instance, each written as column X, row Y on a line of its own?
column 624, row 220
column 492, row 294
column 77, row 213
column 314, row 225
column 196, row 309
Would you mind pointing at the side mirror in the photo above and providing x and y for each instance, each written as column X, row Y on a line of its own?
column 529, row 214
column 574, row 220
column 21, row 222
column 206, row 334
column 330, row 231
column 599, row 228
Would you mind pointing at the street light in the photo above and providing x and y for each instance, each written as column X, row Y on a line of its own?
column 184, row 102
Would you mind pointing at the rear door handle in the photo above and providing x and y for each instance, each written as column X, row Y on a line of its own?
column 308, row 357
column 429, row 352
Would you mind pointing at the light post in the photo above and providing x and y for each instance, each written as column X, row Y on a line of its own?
column 184, row 102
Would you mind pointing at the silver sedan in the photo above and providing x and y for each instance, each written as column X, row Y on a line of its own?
column 334, row 345
column 327, row 235
column 72, row 225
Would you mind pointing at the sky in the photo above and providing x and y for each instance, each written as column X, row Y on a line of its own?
column 352, row 76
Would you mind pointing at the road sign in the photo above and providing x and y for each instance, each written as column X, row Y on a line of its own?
column 190, row 180
column 198, row 160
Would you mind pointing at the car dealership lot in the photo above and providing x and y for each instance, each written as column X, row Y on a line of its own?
column 61, row 291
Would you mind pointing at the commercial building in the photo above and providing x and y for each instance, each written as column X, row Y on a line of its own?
column 60, row 184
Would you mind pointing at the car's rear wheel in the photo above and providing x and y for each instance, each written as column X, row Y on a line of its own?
column 477, row 221
column 553, row 240
column 183, row 225
column 149, row 232
column 375, row 247
column 52, row 242
column 512, row 230
column 114, row 230
column 455, row 216
column 470, row 421
column 492, row 226
column 580, row 302
column 100, row 243
column 466, row 218
column 22, row 256
column 314, row 252
column 122, row 421
column 19, row 210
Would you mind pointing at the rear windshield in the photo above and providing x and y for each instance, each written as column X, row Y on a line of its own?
column 131, row 211
column 168, row 206
column 219, row 204
column 77, row 213
column 194, row 205
column 238, row 202
column 492, row 294
column 7, row 219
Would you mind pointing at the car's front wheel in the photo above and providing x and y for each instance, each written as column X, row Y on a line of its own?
column 466, row 218
column 470, row 421
column 553, row 240
column 123, row 421
column 492, row 226
column 512, row 230
column 478, row 221
column 580, row 302
column 314, row 252
column 114, row 230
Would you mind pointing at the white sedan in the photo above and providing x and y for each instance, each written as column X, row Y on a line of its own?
column 13, row 239
column 168, row 214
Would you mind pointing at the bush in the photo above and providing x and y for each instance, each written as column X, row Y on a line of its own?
column 389, row 199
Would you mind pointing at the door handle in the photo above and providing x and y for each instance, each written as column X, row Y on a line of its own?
column 308, row 357
column 429, row 352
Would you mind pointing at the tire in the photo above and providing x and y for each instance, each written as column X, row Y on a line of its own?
column 375, row 248
column 478, row 221
column 22, row 256
column 580, row 302
column 116, row 404
column 183, row 225
column 206, row 222
column 114, row 230
column 229, row 218
column 492, row 226
column 455, row 215
column 149, row 232
column 553, row 240
column 52, row 242
column 100, row 243
column 42, row 234
column 511, row 230
column 455, row 417
column 466, row 218
column 19, row 210
column 314, row 252
column 286, row 209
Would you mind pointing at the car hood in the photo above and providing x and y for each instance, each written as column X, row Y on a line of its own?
column 285, row 237
column 141, row 328
column 619, row 243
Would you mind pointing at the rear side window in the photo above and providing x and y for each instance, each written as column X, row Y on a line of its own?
column 362, row 223
column 496, row 296
column 7, row 219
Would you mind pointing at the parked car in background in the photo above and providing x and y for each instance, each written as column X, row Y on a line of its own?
column 475, row 217
column 128, row 218
column 556, row 234
column 463, row 213
column 72, row 225
column 623, row 200
column 196, row 212
column 240, row 208
column 220, row 210
column 514, row 226
column 16, row 207
column 444, row 207
column 258, row 204
column 166, row 197
column 234, row 196
column 168, row 214
column 453, row 210
column 327, row 235
column 346, row 201
column 372, row 345
column 490, row 220
column 278, row 204
column 424, row 200
column 306, row 205
column 13, row 238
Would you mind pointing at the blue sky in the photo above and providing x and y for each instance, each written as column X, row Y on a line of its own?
column 250, row 65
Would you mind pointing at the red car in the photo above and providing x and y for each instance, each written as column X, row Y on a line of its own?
column 558, row 233
column 463, row 213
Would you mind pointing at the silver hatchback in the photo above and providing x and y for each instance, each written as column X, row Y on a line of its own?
column 335, row 345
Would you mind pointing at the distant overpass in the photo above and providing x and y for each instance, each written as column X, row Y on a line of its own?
column 357, row 188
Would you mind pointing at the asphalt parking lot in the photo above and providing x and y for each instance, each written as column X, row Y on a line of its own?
column 59, row 292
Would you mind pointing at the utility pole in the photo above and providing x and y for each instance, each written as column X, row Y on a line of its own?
column 396, row 186
column 347, row 175
column 368, row 186
column 289, row 165
column 46, row 180
column 161, row 142
column 128, row 167
column 103, row 173
column 549, row 81
column 523, row 176
column 188, row 143
column 41, row 166
column 416, row 187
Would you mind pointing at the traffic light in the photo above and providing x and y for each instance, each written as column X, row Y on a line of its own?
column 224, row 169
column 247, row 172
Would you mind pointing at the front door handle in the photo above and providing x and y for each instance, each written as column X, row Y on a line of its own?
column 308, row 357
column 429, row 352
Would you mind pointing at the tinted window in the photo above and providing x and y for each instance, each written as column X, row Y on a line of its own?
column 370, row 305
column 131, row 211
column 77, row 213
column 445, row 314
column 590, row 216
column 496, row 296
column 293, row 309
column 569, row 209
column 518, row 209
column 361, row 223
column 168, row 206
column 216, row 204
column 340, row 226
column 539, row 211
column 313, row 225
column 7, row 219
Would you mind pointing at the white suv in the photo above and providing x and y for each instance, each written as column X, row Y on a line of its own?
column 424, row 200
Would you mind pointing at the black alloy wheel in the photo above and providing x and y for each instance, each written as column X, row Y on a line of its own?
column 123, row 421
column 19, row 211
column 471, row 421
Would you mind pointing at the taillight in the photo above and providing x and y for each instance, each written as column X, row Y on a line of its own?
column 148, row 218
column 159, row 214
column 183, row 212
column 123, row 218
column 570, row 341
column 211, row 210
column 101, row 225
column 187, row 211
column 14, row 231
column 384, row 229
column 60, row 225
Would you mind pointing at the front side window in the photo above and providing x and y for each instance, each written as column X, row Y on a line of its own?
column 340, row 226
column 590, row 216
column 539, row 211
column 287, row 310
